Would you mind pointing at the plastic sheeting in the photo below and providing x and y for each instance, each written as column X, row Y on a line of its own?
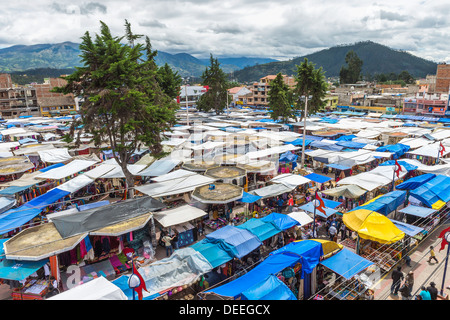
column 408, row 229
column 346, row 263
column 347, row 191
column 6, row 204
column 290, row 180
column 302, row 218
column 239, row 241
column 309, row 207
column 406, row 165
column 273, row 190
column 306, row 252
column 96, row 289
column 270, row 288
column 262, row 229
column 73, row 224
column 75, row 184
column 183, row 267
column 415, row 182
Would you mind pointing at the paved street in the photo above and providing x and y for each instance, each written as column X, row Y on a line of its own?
column 424, row 272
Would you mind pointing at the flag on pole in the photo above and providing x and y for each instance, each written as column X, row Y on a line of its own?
column 442, row 236
column 141, row 285
column 398, row 169
column 441, row 149
column 321, row 206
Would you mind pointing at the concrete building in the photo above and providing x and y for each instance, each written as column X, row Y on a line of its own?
column 239, row 95
column 16, row 101
column 426, row 104
column 261, row 90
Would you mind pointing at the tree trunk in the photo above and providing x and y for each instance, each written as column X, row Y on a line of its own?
column 129, row 179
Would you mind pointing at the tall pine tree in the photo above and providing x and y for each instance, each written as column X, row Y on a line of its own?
column 215, row 99
column 280, row 100
column 124, row 105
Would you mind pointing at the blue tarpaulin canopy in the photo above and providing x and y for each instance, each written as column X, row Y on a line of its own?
column 19, row 270
column 299, row 142
column 432, row 191
column 280, row 221
column 398, row 149
column 318, row 178
column 249, row 198
column 15, row 218
column 337, row 166
column 408, row 229
column 270, row 288
column 306, row 252
column 326, row 146
column 417, row 211
column 93, row 205
column 27, row 140
column 346, row 137
column 213, row 252
column 408, row 166
column 351, row 144
column 346, row 263
column 415, row 182
column 386, row 203
column 239, row 242
column 288, row 156
column 13, row 190
column 53, row 166
column 262, row 229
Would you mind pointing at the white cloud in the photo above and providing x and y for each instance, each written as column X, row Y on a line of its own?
column 280, row 29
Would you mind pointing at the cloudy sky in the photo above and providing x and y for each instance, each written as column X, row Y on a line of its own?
column 280, row 29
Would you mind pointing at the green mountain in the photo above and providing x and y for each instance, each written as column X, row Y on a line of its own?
column 377, row 59
column 21, row 58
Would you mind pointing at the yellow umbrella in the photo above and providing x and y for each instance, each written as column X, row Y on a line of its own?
column 373, row 226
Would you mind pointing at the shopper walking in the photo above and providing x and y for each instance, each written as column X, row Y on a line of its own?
column 332, row 231
column 397, row 277
column 432, row 255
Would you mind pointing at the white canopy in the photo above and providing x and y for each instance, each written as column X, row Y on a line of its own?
column 54, row 155
column 175, row 186
column 75, row 184
column 180, row 173
column 415, row 143
column 272, row 190
column 160, row 167
column 96, row 289
column 302, row 217
column 430, row 150
column 378, row 177
column 100, row 170
column 290, row 180
column 178, row 215
column 69, row 169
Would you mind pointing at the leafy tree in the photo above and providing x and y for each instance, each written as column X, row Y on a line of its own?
column 124, row 104
column 351, row 73
column 280, row 99
column 406, row 76
column 169, row 81
column 311, row 87
column 216, row 97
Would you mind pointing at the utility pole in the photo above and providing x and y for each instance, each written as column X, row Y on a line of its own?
column 304, row 132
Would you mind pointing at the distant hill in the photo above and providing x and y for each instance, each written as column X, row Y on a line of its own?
column 65, row 55
column 376, row 58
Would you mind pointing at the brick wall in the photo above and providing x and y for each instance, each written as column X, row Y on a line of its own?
column 443, row 78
